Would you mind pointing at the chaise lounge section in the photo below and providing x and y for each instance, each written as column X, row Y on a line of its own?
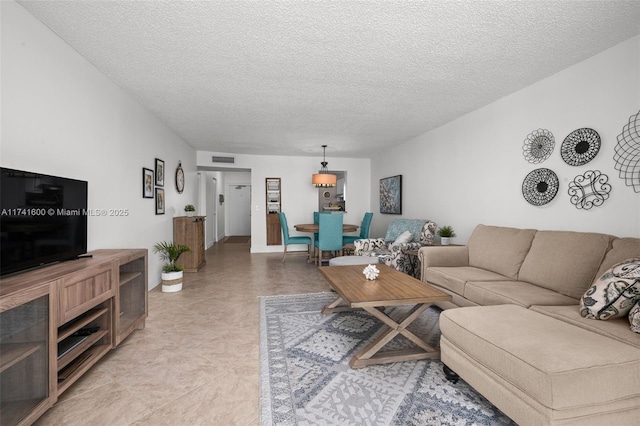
column 517, row 335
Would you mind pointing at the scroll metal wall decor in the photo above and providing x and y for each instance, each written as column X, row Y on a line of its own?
column 627, row 153
column 540, row 186
column 538, row 146
column 589, row 190
column 580, row 147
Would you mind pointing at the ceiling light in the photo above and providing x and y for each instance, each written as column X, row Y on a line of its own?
column 323, row 179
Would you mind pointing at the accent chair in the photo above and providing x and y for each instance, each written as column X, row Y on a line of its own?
column 402, row 235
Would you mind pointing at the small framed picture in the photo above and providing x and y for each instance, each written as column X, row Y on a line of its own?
column 147, row 183
column 159, row 200
column 159, row 172
column 391, row 195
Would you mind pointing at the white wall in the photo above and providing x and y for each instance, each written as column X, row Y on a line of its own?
column 471, row 170
column 299, row 197
column 61, row 116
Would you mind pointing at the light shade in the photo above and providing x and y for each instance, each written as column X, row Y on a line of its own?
column 323, row 180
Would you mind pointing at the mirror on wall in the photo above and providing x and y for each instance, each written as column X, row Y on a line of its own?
column 334, row 199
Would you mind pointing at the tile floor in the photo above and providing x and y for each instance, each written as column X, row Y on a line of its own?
column 196, row 362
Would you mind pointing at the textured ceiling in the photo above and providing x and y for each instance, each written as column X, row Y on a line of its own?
column 283, row 78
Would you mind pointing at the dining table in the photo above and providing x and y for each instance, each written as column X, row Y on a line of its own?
column 314, row 227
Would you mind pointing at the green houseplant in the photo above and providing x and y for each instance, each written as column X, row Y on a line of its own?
column 171, row 272
column 446, row 233
column 190, row 209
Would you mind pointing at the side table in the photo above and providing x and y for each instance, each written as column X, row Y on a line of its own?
column 348, row 249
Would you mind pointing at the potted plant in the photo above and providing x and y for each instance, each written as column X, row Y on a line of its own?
column 171, row 272
column 445, row 233
column 190, row 209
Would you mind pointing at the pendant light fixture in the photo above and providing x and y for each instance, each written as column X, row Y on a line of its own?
column 323, row 179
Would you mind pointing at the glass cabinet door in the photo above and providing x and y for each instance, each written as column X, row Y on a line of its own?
column 24, row 359
column 132, row 297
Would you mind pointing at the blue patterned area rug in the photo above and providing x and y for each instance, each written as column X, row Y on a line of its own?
column 306, row 378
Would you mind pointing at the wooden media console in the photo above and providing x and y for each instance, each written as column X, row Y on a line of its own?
column 57, row 321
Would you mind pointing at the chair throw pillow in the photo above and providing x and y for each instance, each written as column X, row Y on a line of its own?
column 614, row 293
column 634, row 317
column 403, row 238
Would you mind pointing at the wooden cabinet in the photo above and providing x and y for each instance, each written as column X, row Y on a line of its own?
column 273, row 208
column 83, row 290
column 189, row 230
column 58, row 321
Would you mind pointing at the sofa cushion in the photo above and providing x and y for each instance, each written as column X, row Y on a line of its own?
column 621, row 249
column 617, row 329
column 555, row 363
column 614, row 293
column 515, row 292
column 634, row 318
column 454, row 278
column 564, row 261
column 499, row 249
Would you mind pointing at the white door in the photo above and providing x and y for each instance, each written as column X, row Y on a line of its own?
column 239, row 209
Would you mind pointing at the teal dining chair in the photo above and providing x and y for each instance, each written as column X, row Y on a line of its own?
column 329, row 234
column 287, row 240
column 316, row 220
column 364, row 230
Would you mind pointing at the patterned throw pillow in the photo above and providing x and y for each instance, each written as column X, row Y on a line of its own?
column 614, row 293
column 634, row 318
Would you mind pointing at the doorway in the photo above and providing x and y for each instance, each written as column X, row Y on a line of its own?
column 239, row 209
column 212, row 213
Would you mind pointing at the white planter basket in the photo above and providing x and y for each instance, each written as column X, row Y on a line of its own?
column 171, row 281
column 445, row 241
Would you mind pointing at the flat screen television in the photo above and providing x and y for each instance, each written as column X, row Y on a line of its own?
column 43, row 219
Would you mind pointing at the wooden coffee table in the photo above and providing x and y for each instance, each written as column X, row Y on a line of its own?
column 391, row 288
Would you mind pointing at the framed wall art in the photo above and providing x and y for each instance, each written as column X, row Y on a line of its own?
column 391, row 195
column 159, row 172
column 147, row 183
column 159, row 200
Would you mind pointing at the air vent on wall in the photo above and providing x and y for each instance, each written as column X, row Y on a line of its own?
column 227, row 160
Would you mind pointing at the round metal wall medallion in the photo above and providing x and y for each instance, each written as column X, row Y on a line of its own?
column 540, row 186
column 580, row 147
column 538, row 146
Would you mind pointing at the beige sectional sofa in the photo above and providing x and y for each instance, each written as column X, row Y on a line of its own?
column 517, row 335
